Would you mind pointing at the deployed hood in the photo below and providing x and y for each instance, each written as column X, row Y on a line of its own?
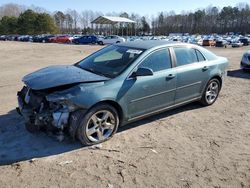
column 59, row 75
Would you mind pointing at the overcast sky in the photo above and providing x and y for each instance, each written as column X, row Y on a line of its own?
column 143, row 7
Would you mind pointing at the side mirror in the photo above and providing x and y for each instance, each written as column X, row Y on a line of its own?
column 142, row 72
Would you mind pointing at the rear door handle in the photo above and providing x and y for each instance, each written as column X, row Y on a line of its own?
column 205, row 68
column 170, row 76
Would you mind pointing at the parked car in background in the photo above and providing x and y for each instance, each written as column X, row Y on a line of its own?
column 236, row 43
column 200, row 42
column 91, row 39
column 10, row 37
column 42, row 38
column 221, row 43
column 36, row 38
column 244, row 41
column 208, row 42
column 61, row 39
column 25, row 38
column 112, row 39
column 245, row 61
column 3, row 37
column 75, row 36
column 119, row 84
column 192, row 41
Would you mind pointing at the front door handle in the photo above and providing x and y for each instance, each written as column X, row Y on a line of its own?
column 170, row 76
column 205, row 68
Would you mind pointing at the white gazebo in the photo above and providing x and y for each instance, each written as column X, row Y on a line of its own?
column 111, row 20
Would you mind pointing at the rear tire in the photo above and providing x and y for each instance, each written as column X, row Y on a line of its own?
column 98, row 124
column 211, row 92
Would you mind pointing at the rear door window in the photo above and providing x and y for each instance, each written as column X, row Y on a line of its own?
column 185, row 56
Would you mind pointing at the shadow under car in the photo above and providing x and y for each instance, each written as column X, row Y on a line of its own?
column 17, row 144
column 240, row 73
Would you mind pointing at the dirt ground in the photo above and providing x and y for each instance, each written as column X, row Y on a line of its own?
column 191, row 146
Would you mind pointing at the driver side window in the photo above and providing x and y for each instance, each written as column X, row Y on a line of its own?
column 157, row 61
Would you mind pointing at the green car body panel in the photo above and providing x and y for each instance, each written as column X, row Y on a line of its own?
column 142, row 96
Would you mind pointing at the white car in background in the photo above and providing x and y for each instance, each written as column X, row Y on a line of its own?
column 111, row 39
column 199, row 42
column 236, row 43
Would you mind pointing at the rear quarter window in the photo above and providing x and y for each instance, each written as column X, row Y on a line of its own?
column 200, row 56
column 208, row 55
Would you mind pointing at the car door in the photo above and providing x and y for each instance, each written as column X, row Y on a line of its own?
column 192, row 73
column 151, row 93
column 107, row 40
column 113, row 39
column 88, row 39
column 80, row 40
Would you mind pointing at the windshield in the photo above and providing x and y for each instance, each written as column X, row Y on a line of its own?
column 110, row 61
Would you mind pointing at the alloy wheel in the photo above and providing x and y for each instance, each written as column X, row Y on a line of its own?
column 212, row 92
column 100, row 126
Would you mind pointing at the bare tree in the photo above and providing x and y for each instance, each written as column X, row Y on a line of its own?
column 59, row 18
column 84, row 19
column 75, row 16
column 68, row 23
column 11, row 9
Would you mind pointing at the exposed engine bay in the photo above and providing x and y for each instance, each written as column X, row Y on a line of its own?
column 45, row 103
column 41, row 114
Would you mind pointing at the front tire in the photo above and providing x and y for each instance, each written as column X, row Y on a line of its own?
column 97, row 125
column 211, row 92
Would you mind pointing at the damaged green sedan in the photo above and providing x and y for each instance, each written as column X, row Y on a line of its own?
column 119, row 84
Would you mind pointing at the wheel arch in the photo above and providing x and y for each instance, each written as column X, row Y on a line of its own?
column 74, row 122
column 218, row 77
column 114, row 104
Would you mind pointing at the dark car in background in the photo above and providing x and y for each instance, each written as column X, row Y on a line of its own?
column 3, row 37
column 91, row 39
column 42, row 38
column 245, row 61
column 25, row 38
column 9, row 37
column 244, row 41
column 221, row 43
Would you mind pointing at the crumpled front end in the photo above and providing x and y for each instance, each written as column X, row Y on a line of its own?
column 50, row 98
column 41, row 113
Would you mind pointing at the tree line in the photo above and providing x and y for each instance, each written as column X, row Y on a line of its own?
column 210, row 20
column 28, row 23
column 18, row 19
